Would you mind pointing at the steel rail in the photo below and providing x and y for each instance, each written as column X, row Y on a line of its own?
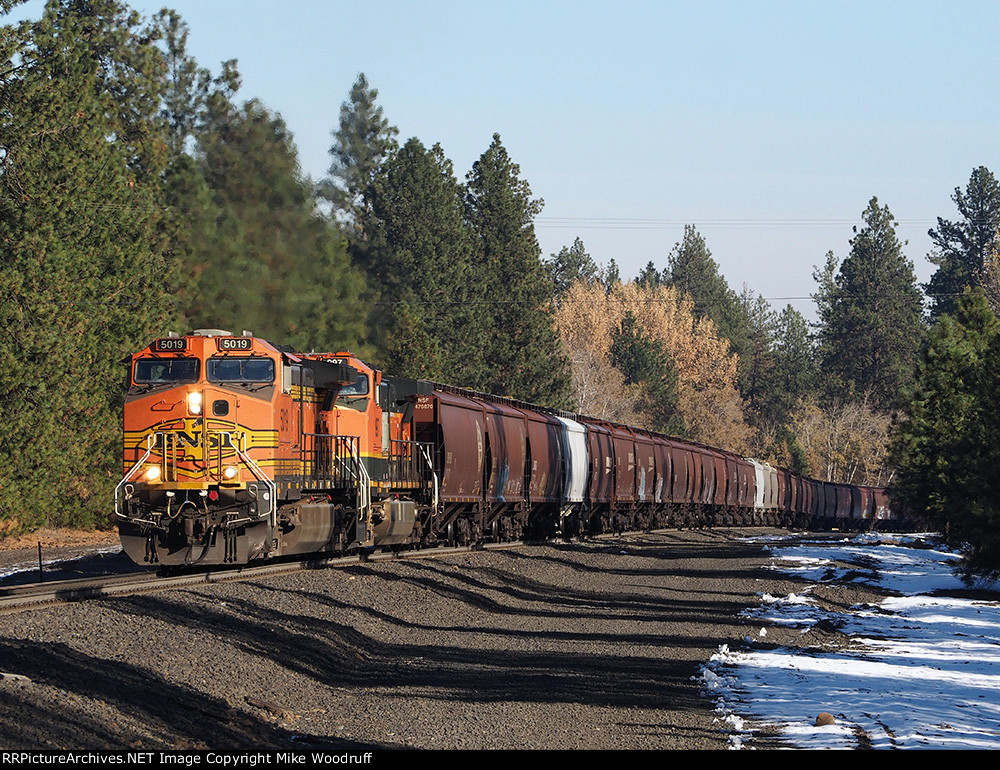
column 38, row 595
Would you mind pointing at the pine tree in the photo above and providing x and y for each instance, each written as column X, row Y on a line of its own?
column 570, row 265
column 188, row 89
column 420, row 264
column 610, row 276
column 869, row 314
column 787, row 377
column 961, row 248
column 650, row 276
column 945, row 446
column 267, row 261
column 989, row 279
column 692, row 271
column 362, row 143
column 977, row 512
column 757, row 360
column 189, row 99
column 83, row 275
column 795, row 365
column 522, row 347
column 646, row 363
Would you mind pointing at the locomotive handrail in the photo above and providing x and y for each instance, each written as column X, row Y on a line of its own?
column 360, row 475
column 128, row 474
column 365, row 487
column 272, row 488
column 364, row 491
column 329, row 460
column 425, row 452
column 405, row 463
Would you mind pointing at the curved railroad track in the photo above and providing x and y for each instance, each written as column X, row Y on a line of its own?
column 35, row 595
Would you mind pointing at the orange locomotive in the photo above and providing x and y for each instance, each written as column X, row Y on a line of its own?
column 236, row 449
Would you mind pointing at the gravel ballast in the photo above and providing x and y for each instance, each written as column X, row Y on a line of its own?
column 584, row 645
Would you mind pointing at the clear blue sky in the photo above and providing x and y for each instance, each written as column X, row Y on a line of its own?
column 768, row 125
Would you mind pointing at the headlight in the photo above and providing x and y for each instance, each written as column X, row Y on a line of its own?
column 230, row 472
column 194, row 402
column 152, row 473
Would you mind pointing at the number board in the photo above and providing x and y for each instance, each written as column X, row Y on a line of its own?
column 234, row 343
column 170, row 345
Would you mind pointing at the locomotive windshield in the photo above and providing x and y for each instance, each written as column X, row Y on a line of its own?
column 359, row 388
column 161, row 371
column 355, row 396
column 230, row 369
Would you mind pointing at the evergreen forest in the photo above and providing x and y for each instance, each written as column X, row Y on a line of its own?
column 141, row 192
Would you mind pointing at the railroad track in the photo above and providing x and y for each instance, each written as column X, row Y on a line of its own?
column 36, row 595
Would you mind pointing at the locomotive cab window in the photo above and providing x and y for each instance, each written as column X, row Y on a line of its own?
column 355, row 396
column 166, row 371
column 242, row 369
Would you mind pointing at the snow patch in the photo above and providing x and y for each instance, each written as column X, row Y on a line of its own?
column 919, row 671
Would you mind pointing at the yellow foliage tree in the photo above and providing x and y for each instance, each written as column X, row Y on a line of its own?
column 709, row 400
column 847, row 443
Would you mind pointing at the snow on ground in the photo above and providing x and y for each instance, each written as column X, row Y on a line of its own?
column 58, row 564
column 918, row 670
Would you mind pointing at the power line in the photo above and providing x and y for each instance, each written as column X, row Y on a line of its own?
column 635, row 223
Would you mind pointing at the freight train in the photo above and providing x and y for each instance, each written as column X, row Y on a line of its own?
column 237, row 449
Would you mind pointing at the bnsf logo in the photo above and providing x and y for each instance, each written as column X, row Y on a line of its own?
column 194, row 439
